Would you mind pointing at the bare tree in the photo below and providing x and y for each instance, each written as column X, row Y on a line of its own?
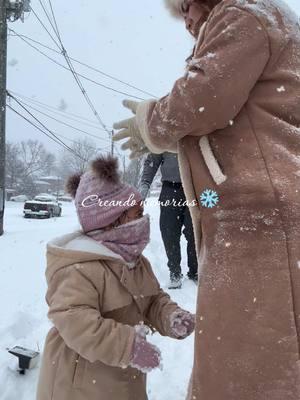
column 85, row 150
column 133, row 172
column 14, row 166
column 35, row 159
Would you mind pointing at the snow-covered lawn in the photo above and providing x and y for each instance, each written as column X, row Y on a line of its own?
column 23, row 319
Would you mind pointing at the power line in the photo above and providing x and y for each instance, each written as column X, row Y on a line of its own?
column 62, row 122
column 79, row 74
column 55, row 22
column 63, row 114
column 59, row 142
column 48, row 17
column 77, row 79
column 87, row 145
column 44, row 26
column 44, row 126
column 84, row 64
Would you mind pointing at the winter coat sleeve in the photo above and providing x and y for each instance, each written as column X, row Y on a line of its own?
column 160, row 308
column 225, row 67
column 151, row 165
column 159, row 313
column 74, row 311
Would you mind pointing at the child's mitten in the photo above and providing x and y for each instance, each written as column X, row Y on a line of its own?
column 182, row 323
column 144, row 355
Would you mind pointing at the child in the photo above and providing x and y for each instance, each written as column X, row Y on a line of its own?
column 102, row 296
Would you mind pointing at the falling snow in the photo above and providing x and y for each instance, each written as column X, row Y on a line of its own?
column 62, row 105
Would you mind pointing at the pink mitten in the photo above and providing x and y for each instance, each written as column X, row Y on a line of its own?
column 144, row 356
column 182, row 323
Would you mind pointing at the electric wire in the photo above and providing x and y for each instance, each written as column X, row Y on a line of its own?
column 82, row 63
column 62, row 122
column 43, row 125
column 76, row 77
column 79, row 74
column 86, row 144
column 59, row 142
column 71, row 116
column 44, row 26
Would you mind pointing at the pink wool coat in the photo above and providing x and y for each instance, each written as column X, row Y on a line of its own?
column 234, row 120
column 94, row 301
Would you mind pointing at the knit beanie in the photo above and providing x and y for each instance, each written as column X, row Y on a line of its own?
column 100, row 197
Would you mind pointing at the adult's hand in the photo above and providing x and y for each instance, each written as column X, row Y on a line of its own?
column 128, row 128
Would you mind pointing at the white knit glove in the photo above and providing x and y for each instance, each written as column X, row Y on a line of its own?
column 130, row 129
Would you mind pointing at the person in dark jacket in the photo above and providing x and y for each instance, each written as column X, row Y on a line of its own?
column 174, row 214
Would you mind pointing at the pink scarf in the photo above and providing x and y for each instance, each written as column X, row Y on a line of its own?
column 127, row 240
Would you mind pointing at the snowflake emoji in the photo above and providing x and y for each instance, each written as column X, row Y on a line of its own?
column 209, row 198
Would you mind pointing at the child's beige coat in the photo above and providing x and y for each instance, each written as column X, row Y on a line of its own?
column 94, row 301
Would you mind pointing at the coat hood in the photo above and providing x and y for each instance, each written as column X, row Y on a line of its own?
column 75, row 248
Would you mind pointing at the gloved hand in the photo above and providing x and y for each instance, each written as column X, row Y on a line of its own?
column 144, row 355
column 130, row 129
column 182, row 323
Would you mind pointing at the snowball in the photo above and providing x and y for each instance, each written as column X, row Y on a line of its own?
column 201, row 109
column 231, row 122
column 210, row 55
column 192, row 74
column 281, row 89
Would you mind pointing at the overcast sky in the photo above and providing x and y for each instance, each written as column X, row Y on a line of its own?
column 135, row 41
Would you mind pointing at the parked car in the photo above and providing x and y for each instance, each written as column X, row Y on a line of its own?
column 20, row 199
column 66, row 198
column 45, row 197
column 42, row 206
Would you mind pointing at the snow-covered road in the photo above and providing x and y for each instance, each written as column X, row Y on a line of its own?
column 23, row 319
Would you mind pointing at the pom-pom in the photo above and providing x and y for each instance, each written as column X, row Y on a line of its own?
column 72, row 184
column 106, row 167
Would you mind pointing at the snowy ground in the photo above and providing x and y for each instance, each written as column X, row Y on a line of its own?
column 23, row 318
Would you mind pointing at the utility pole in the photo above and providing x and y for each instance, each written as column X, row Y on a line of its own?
column 11, row 10
column 3, row 63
